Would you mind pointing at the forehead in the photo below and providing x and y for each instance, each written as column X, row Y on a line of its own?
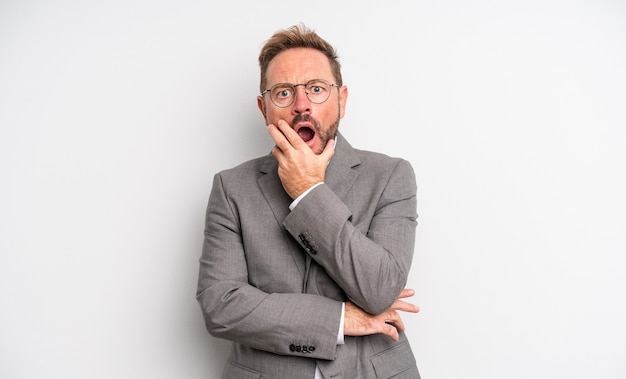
column 297, row 66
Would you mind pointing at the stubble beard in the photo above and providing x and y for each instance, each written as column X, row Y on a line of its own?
column 323, row 135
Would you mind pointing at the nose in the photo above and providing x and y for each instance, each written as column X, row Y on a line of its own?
column 302, row 104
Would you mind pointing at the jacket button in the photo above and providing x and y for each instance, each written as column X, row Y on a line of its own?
column 292, row 347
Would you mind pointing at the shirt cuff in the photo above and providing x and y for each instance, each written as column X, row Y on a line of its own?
column 297, row 200
column 340, row 340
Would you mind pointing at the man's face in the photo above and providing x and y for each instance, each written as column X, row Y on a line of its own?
column 315, row 123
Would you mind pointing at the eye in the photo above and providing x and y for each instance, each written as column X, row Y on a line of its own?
column 282, row 93
column 317, row 89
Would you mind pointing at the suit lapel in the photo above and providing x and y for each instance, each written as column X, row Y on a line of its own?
column 272, row 189
column 278, row 201
column 340, row 175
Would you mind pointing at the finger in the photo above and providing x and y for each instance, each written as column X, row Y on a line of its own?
column 391, row 331
column 291, row 135
column 396, row 320
column 329, row 151
column 277, row 136
column 400, row 305
column 277, row 153
column 407, row 292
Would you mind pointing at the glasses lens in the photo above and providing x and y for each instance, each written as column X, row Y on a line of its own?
column 283, row 94
column 318, row 91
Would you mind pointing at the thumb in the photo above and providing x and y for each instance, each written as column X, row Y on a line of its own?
column 329, row 150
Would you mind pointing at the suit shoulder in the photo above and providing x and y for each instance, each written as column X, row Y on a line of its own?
column 373, row 159
column 242, row 175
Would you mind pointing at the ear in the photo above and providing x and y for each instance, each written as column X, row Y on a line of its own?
column 260, row 102
column 343, row 98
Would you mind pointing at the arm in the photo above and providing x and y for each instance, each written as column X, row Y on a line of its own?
column 372, row 266
column 369, row 256
column 235, row 310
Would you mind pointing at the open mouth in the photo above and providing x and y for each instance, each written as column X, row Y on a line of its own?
column 306, row 133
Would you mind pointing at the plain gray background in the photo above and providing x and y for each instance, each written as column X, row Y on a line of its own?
column 115, row 115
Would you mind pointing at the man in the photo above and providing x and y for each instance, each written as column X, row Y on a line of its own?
column 307, row 250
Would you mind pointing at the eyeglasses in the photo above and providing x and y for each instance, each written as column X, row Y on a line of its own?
column 284, row 94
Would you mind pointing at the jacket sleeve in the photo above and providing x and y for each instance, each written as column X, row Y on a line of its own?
column 299, row 324
column 369, row 261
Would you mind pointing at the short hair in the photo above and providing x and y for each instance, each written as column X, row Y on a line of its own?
column 294, row 37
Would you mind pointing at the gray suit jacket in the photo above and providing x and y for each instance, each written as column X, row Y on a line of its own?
column 272, row 280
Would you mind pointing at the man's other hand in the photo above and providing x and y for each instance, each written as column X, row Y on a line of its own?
column 357, row 322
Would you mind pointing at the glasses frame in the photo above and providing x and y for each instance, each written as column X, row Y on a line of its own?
column 294, row 86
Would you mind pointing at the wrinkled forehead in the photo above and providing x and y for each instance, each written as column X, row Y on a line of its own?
column 298, row 66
